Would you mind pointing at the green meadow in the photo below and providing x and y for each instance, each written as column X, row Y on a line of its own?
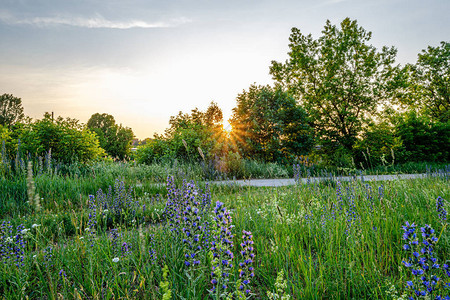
column 327, row 240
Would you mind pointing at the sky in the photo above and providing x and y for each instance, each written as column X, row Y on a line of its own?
column 143, row 61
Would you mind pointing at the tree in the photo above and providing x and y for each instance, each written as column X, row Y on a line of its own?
column 339, row 78
column 197, row 129
column 269, row 125
column 213, row 115
column 66, row 138
column 11, row 110
column 188, row 132
column 430, row 82
column 114, row 139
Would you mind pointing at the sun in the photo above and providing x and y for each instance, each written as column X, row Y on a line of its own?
column 227, row 127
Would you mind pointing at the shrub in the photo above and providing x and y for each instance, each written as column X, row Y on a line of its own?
column 422, row 139
column 152, row 151
column 65, row 138
column 377, row 146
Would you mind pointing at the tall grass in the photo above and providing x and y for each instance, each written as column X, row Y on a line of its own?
column 331, row 240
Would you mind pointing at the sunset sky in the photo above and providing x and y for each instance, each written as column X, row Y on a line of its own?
column 144, row 60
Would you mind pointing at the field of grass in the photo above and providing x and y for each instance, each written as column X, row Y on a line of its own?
column 183, row 240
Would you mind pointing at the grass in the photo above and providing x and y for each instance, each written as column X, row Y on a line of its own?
column 330, row 239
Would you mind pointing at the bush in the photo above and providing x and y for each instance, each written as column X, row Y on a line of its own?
column 153, row 150
column 377, row 146
column 66, row 139
column 422, row 139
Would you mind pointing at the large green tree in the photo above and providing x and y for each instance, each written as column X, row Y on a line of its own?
column 429, row 86
column 269, row 125
column 11, row 110
column 115, row 139
column 339, row 78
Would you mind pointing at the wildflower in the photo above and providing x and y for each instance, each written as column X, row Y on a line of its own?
column 48, row 255
column 297, row 172
column 125, row 249
column 152, row 251
column 115, row 259
column 351, row 214
column 173, row 205
column 381, row 191
column 62, row 273
column 281, row 286
column 92, row 223
column 246, row 271
column 184, row 208
column 117, row 205
column 35, row 225
column 221, row 247
column 421, row 260
column 12, row 245
column 442, row 213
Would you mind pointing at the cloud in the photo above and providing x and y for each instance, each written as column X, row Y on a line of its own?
column 334, row 1
column 97, row 21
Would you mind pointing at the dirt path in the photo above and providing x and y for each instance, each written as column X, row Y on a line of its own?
column 291, row 181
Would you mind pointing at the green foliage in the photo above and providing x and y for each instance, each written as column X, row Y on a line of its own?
column 406, row 137
column 332, row 155
column 429, row 82
column 197, row 129
column 268, row 125
column 65, row 139
column 11, row 110
column 114, row 139
column 422, row 139
column 340, row 79
column 167, row 293
column 377, row 145
column 186, row 134
column 8, row 143
column 153, row 150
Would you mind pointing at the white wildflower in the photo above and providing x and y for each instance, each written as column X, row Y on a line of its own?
column 35, row 225
column 24, row 231
column 115, row 259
